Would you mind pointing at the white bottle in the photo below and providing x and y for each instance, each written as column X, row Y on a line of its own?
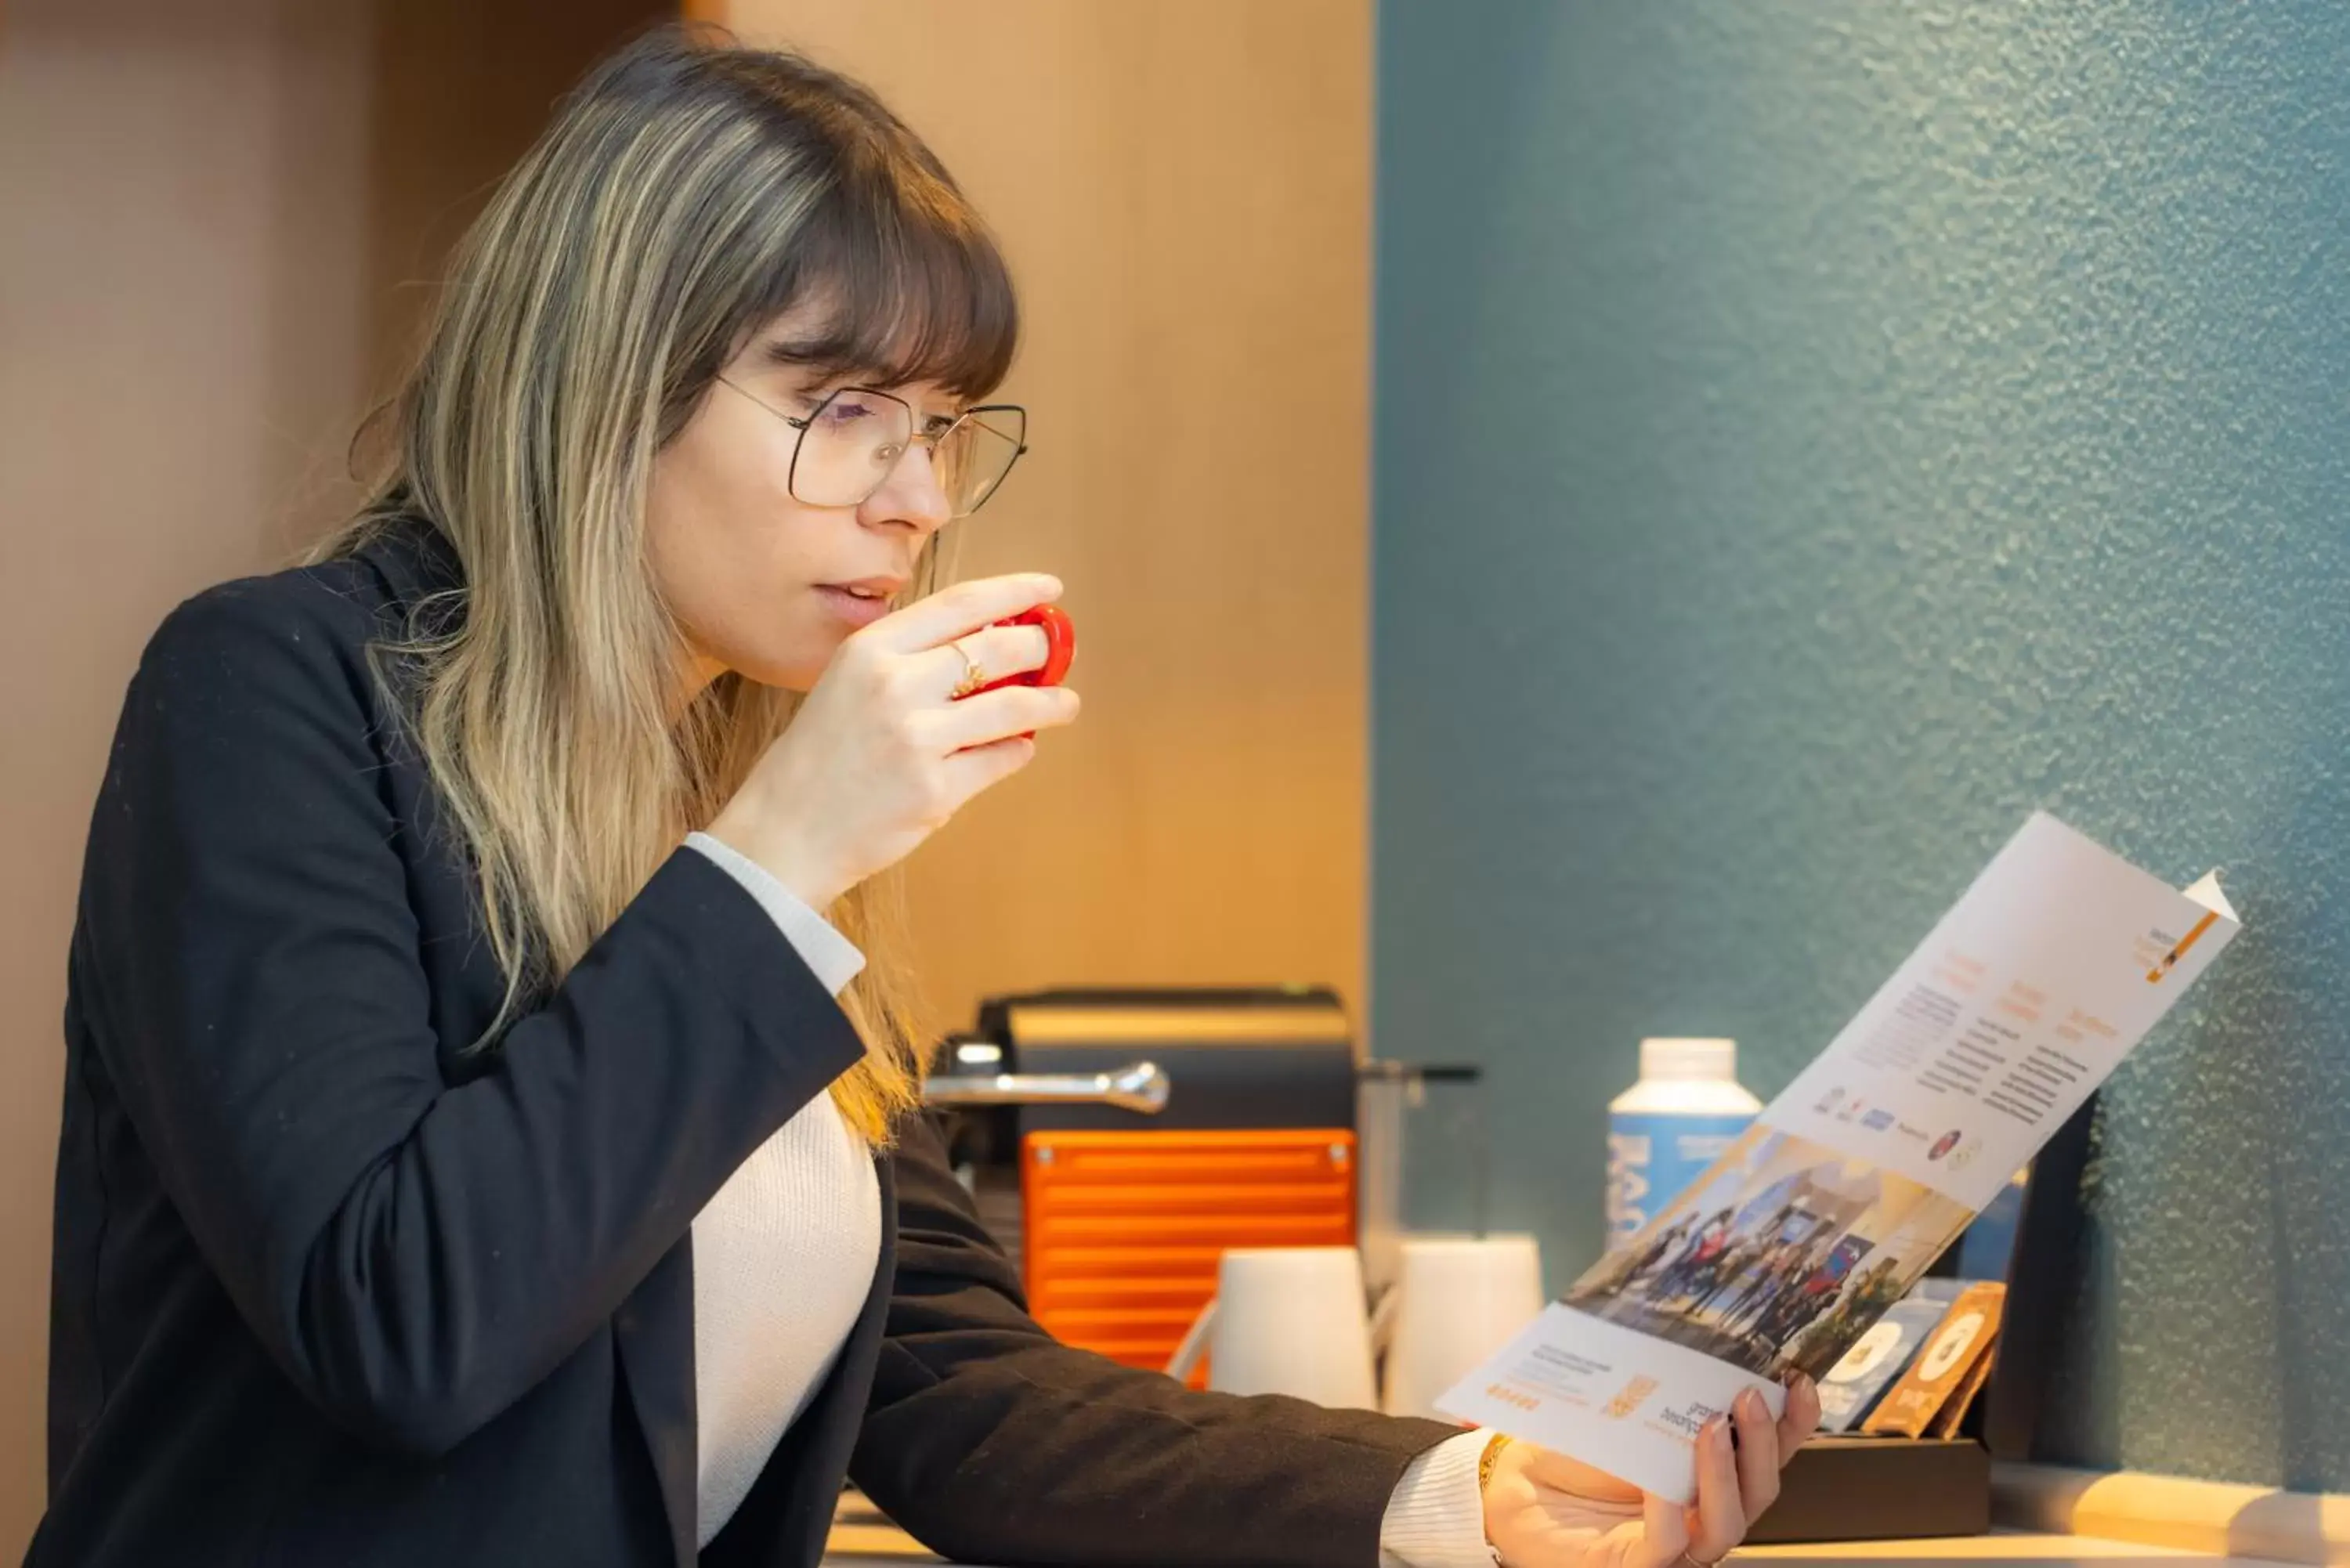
column 1663, row 1131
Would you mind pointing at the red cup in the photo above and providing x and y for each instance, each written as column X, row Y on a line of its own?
column 1060, row 650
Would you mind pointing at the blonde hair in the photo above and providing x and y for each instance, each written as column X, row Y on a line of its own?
column 686, row 194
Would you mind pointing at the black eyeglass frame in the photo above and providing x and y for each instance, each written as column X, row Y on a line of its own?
column 800, row 424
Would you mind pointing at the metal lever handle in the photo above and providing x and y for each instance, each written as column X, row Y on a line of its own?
column 1141, row 1087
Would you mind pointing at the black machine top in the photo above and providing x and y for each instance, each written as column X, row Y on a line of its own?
column 1235, row 1057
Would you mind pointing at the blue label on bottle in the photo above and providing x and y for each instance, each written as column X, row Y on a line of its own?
column 1653, row 1158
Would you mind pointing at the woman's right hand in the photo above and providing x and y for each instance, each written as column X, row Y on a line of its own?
column 881, row 754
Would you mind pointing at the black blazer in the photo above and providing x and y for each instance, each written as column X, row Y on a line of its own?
column 329, row 1291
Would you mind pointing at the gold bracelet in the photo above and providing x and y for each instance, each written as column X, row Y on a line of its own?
column 1486, row 1460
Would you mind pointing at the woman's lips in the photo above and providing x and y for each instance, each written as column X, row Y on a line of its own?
column 854, row 608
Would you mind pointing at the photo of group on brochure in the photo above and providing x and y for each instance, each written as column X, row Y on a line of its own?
column 1777, row 1259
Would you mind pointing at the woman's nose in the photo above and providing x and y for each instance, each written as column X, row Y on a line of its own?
column 912, row 494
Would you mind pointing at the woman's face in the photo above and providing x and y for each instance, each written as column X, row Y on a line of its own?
column 762, row 583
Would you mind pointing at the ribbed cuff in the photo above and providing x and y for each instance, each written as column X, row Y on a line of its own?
column 833, row 958
column 1436, row 1515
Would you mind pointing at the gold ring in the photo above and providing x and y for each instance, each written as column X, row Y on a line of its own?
column 973, row 675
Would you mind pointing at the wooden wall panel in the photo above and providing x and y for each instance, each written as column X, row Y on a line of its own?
column 1184, row 191
column 219, row 227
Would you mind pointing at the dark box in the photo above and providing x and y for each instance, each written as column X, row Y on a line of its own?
column 1864, row 1488
column 1859, row 1488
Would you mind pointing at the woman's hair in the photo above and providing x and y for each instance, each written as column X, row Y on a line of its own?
column 687, row 192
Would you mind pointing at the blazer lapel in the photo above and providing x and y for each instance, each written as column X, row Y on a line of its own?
column 654, row 1333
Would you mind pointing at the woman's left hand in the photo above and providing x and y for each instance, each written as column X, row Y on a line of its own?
column 1546, row 1510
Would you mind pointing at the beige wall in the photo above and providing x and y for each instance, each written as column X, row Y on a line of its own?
column 181, row 332
column 1184, row 190
column 205, row 206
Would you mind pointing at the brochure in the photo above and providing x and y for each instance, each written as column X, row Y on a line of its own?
column 2010, row 1012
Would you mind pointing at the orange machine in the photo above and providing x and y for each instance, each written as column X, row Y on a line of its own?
column 1118, row 1141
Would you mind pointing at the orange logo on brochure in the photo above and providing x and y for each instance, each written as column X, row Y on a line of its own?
column 2154, row 976
column 1635, row 1395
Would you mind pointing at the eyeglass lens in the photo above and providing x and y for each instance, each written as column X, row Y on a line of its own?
column 854, row 439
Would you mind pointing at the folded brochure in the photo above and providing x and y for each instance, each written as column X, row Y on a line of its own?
column 1936, row 1387
column 1855, row 1383
column 2010, row 1012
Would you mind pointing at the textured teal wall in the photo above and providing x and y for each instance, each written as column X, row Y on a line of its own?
column 1812, row 433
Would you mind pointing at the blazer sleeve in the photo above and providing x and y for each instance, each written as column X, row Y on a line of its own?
column 990, row 1441
column 414, row 1255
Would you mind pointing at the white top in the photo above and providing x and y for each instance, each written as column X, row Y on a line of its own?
column 783, row 1257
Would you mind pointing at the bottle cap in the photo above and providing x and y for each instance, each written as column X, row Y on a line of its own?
column 1716, row 1059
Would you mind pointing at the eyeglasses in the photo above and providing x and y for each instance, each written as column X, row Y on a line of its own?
column 849, row 444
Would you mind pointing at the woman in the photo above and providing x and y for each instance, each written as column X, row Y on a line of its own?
column 488, row 1133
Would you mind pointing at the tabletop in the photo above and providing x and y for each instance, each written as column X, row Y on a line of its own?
column 875, row 1545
